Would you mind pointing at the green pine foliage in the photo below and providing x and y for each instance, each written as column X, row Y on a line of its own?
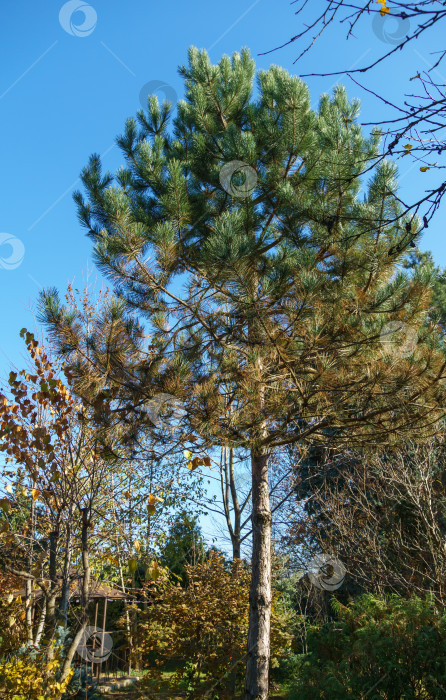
column 240, row 235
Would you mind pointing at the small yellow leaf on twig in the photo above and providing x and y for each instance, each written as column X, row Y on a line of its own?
column 194, row 463
column 384, row 11
column 154, row 499
column 35, row 493
column 424, row 168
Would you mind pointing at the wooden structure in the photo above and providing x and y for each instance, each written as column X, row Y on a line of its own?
column 99, row 591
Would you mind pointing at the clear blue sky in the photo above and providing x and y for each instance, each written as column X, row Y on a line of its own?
column 70, row 79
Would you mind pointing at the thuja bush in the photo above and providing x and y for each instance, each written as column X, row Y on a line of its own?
column 202, row 629
column 389, row 648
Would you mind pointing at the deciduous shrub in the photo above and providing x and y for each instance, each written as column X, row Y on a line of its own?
column 203, row 628
column 29, row 674
column 26, row 673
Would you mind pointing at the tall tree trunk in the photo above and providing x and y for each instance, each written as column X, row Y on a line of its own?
column 29, row 607
column 228, row 485
column 51, row 600
column 85, row 595
column 41, row 623
column 66, row 568
column 121, row 577
column 235, row 533
column 257, row 666
column 28, row 583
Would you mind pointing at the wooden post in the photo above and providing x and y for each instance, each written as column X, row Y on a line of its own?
column 94, row 638
column 104, row 620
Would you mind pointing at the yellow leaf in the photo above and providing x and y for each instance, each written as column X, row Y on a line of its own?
column 137, row 545
column 408, row 146
column 187, row 454
column 154, row 499
column 383, row 11
column 153, row 571
column 132, row 565
column 35, row 493
column 424, row 168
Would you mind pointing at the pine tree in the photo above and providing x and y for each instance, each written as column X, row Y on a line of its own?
column 241, row 240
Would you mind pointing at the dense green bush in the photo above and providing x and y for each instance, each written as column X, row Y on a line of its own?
column 390, row 648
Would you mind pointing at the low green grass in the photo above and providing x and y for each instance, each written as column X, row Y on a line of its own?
column 160, row 690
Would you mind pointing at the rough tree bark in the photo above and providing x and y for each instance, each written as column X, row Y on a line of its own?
column 85, row 595
column 257, row 666
column 66, row 568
